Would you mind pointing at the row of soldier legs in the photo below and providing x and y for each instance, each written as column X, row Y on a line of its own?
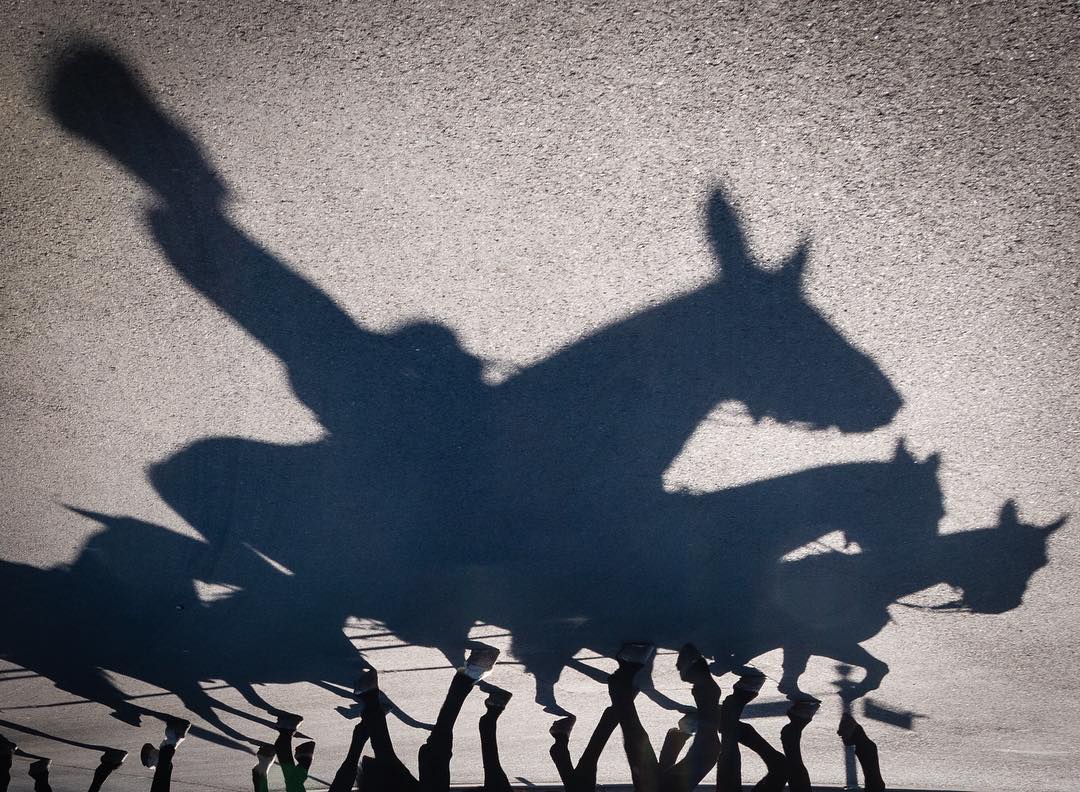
column 711, row 737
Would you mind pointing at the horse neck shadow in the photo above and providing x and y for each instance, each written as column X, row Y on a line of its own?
column 623, row 401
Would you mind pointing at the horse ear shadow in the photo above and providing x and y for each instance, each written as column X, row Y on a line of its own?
column 901, row 454
column 728, row 244
column 791, row 274
column 1053, row 527
column 104, row 519
column 1008, row 516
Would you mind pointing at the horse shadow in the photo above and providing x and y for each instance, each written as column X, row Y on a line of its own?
column 435, row 499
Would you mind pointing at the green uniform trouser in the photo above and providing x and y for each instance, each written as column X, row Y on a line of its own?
column 295, row 772
column 295, row 776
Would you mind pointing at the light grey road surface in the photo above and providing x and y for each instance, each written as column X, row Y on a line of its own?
column 526, row 175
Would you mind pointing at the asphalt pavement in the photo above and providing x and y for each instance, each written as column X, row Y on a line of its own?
column 540, row 200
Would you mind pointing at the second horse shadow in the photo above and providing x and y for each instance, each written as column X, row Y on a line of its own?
column 436, row 500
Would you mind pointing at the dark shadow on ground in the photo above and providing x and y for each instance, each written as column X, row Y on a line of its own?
column 435, row 500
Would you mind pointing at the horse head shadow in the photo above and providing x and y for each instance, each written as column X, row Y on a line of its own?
column 435, row 500
column 827, row 604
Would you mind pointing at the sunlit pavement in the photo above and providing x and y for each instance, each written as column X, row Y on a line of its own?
column 524, row 175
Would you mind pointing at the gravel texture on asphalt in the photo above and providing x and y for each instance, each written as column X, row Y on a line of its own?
column 525, row 173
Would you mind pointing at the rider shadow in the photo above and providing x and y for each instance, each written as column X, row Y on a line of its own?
column 435, row 500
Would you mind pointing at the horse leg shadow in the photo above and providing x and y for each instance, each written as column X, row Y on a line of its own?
column 199, row 703
column 354, row 710
column 546, row 668
column 855, row 655
column 251, row 696
column 93, row 685
column 645, row 684
column 794, row 665
column 796, row 659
